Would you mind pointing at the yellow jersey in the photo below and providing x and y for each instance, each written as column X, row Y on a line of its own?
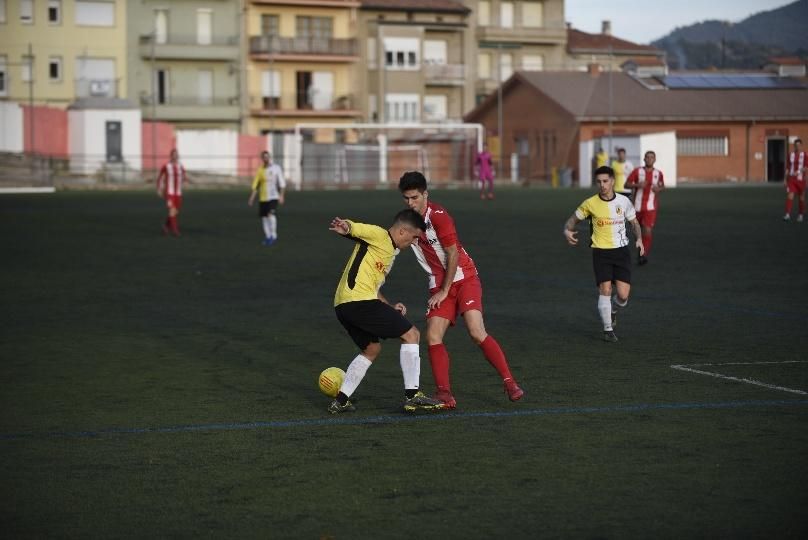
column 608, row 220
column 369, row 264
column 269, row 182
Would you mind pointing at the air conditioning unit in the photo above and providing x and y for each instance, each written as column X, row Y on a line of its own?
column 100, row 88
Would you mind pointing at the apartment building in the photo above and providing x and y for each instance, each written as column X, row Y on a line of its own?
column 301, row 57
column 416, row 61
column 55, row 51
column 184, row 60
column 610, row 53
column 516, row 35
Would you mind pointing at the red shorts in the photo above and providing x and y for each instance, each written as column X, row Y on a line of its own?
column 795, row 186
column 174, row 201
column 464, row 295
column 647, row 218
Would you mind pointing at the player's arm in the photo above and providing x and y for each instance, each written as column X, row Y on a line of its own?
column 569, row 230
column 660, row 185
column 160, row 181
column 631, row 181
column 281, row 186
column 635, row 226
column 398, row 306
column 341, row 226
column 255, row 185
column 452, row 257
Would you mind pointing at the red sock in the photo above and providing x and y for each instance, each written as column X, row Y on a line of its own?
column 173, row 225
column 493, row 353
column 439, row 359
column 789, row 204
column 646, row 242
column 802, row 206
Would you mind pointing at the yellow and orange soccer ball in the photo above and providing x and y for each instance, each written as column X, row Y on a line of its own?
column 330, row 381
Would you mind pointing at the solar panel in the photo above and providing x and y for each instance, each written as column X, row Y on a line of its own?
column 729, row 81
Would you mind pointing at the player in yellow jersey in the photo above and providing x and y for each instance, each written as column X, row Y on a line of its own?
column 367, row 315
column 269, row 185
column 608, row 212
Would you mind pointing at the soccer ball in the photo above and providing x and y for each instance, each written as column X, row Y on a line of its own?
column 330, row 381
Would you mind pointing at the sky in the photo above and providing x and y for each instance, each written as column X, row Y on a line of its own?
column 643, row 21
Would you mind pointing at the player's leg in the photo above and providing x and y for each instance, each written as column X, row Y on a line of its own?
column 173, row 215
column 789, row 199
column 492, row 352
column 801, row 215
column 273, row 219
column 490, row 180
column 352, row 316
column 436, row 327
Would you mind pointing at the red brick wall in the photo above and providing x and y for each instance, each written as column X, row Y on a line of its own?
column 249, row 153
column 45, row 132
column 164, row 141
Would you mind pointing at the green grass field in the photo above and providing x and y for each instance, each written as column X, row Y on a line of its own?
column 161, row 387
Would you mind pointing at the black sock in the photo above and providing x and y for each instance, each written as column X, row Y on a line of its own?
column 410, row 393
column 342, row 399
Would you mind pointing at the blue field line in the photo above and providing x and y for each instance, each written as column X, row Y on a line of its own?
column 397, row 419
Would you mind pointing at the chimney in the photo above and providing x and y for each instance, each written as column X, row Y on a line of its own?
column 594, row 69
column 606, row 28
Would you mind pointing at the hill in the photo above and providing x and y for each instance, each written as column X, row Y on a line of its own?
column 742, row 45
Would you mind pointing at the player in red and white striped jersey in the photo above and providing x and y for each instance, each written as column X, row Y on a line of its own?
column 454, row 289
column 646, row 182
column 795, row 180
column 169, row 187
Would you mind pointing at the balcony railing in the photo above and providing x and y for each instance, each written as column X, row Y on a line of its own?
column 191, row 101
column 96, row 88
column 189, row 39
column 303, row 45
column 296, row 102
column 444, row 72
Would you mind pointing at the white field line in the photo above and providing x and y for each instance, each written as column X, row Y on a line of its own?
column 690, row 368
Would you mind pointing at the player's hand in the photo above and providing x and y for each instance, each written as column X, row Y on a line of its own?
column 281, row 199
column 571, row 236
column 401, row 308
column 340, row 226
column 640, row 247
column 436, row 299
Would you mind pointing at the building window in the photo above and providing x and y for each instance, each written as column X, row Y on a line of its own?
column 204, row 82
column 270, row 25
column 532, row 14
column 372, row 53
column 435, row 108
column 95, row 13
column 161, row 26
column 402, row 108
column 435, row 52
column 271, row 89
column 27, row 68
column 506, row 14
column 532, row 62
column 505, row 66
column 702, row 146
column 401, row 53
column 484, row 66
column 161, row 86
column 483, row 13
column 54, row 12
column 3, row 77
column 314, row 27
column 204, row 26
column 27, row 11
column 373, row 114
column 55, row 68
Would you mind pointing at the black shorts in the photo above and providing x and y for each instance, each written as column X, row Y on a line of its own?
column 611, row 264
column 268, row 207
column 368, row 321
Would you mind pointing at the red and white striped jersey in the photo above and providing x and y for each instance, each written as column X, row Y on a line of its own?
column 173, row 174
column 797, row 161
column 430, row 247
column 645, row 200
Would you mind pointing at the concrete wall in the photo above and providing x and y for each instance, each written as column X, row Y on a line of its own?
column 46, row 129
column 87, row 139
column 211, row 151
column 158, row 139
column 11, row 129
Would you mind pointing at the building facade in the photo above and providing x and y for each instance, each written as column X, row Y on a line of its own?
column 55, row 51
column 300, row 63
column 184, row 60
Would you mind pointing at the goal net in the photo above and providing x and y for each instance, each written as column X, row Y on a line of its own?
column 373, row 155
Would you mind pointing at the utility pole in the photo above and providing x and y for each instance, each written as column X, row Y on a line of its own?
column 611, row 100
column 31, row 97
column 499, row 109
column 153, row 100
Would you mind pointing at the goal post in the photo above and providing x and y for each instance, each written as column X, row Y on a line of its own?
column 368, row 155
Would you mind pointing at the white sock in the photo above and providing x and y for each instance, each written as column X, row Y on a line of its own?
column 354, row 374
column 265, row 225
column 273, row 225
column 410, row 365
column 605, row 310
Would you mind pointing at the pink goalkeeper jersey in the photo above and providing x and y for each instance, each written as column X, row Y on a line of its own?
column 645, row 200
column 796, row 163
column 173, row 174
column 430, row 247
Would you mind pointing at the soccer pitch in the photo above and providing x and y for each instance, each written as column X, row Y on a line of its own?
column 163, row 387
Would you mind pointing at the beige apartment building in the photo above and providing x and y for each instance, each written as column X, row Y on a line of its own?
column 55, row 51
column 184, row 61
column 516, row 35
column 300, row 63
column 417, row 61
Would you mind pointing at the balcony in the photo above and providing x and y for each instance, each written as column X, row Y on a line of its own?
column 445, row 74
column 304, row 103
column 550, row 34
column 96, row 88
column 191, row 109
column 188, row 47
column 303, row 48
